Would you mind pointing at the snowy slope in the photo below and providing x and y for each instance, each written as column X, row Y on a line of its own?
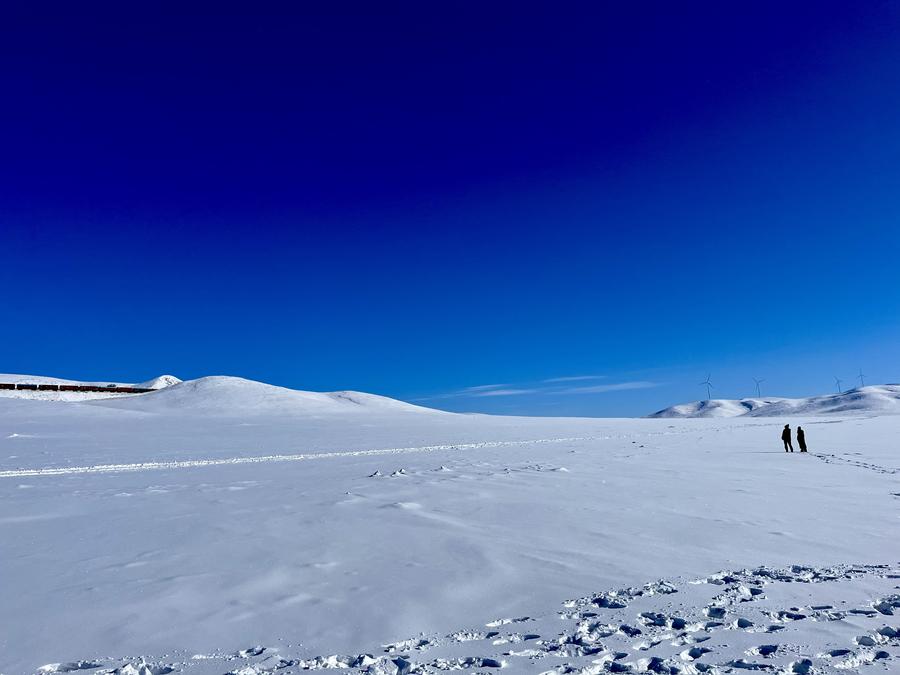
column 880, row 399
column 158, row 382
column 222, row 395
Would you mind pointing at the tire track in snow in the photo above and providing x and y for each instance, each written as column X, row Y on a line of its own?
column 264, row 459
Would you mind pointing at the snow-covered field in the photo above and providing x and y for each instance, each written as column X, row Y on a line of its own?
column 224, row 526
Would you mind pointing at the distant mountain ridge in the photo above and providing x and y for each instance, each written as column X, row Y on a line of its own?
column 883, row 399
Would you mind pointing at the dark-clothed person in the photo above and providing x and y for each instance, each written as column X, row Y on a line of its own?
column 801, row 439
column 786, row 437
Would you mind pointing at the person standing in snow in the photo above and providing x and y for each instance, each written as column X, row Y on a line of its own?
column 786, row 437
column 801, row 439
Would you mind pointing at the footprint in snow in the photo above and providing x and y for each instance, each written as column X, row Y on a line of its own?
column 887, row 605
column 743, row 664
column 787, row 615
column 405, row 645
column 694, row 653
column 504, row 622
column 471, row 635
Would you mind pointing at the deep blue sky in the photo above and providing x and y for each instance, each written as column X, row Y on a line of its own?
column 415, row 201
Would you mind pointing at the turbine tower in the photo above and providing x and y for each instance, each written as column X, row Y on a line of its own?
column 837, row 381
column 706, row 383
column 758, row 382
column 862, row 378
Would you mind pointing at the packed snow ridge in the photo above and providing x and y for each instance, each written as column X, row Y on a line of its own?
column 881, row 399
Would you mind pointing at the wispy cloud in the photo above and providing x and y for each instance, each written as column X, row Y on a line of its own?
column 604, row 388
column 478, row 390
column 549, row 387
column 480, row 387
column 504, row 392
column 573, row 378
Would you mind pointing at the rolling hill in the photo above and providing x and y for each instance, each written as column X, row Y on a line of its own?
column 877, row 399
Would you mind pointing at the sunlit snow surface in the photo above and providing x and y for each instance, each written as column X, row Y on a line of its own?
column 225, row 527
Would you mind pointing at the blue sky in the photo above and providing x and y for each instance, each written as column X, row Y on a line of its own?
column 456, row 205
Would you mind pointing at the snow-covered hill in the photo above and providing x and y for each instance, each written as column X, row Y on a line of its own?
column 879, row 399
column 236, row 395
column 217, row 395
column 159, row 382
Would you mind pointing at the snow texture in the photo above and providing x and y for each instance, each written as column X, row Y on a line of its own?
column 225, row 526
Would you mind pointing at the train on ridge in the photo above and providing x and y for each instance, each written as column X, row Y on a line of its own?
column 94, row 388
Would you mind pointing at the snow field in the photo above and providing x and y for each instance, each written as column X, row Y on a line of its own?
column 538, row 545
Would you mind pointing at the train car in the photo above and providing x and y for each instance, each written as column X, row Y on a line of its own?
column 93, row 388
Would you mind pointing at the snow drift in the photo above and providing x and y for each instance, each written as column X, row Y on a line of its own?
column 879, row 399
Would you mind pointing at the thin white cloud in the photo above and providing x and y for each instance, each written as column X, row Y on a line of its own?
column 481, row 387
column 603, row 388
column 490, row 390
column 504, row 392
column 573, row 378
column 478, row 390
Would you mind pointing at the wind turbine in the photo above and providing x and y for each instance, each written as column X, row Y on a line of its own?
column 758, row 382
column 862, row 381
column 837, row 381
column 706, row 383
